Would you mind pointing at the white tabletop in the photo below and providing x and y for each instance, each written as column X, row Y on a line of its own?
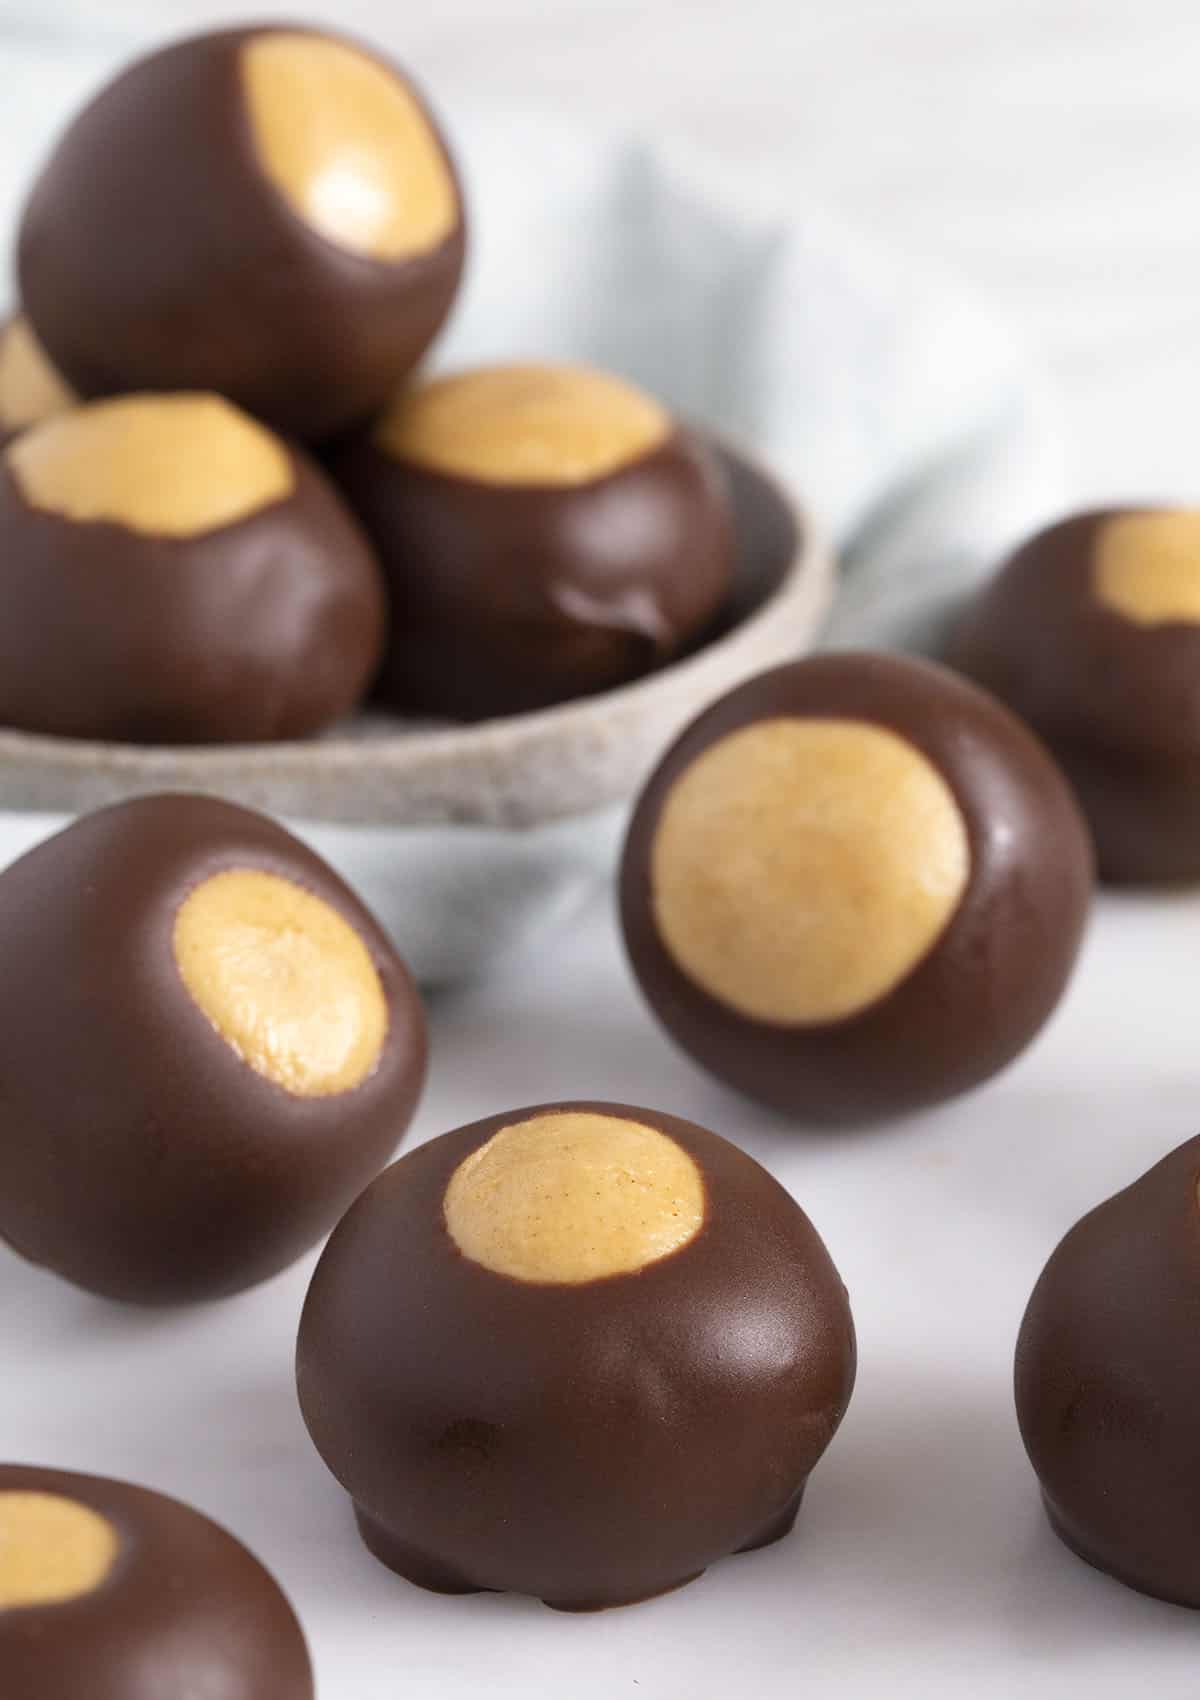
column 921, row 1568
column 1050, row 148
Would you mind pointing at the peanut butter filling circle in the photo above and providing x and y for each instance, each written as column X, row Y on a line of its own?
column 52, row 1550
column 801, row 868
column 348, row 145
column 524, row 425
column 284, row 979
column 573, row 1196
column 1147, row 567
column 173, row 466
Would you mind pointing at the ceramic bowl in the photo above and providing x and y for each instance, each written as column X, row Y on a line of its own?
column 518, row 772
column 463, row 838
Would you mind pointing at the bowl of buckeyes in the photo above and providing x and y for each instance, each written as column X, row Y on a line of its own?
column 252, row 550
column 580, row 1350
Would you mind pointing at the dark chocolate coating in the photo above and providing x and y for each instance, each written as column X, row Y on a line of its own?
column 989, row 981
column 267, row 628
column 510, row 598
column 1108, row 1383
column 140, row 1157
column 156, row 254
column 1118, row 703
column 589, row 1444
column 186, row 1612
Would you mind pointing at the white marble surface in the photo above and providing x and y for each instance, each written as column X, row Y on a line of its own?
column 1050, row 148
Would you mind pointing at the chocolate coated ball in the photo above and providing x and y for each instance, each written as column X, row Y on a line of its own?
column 1108, row 1383
column 854, row 886
column 30, row 389
column 578, row 1351
column 1092, row 634
column 172, row 572
column 207, row 1048
column 546, row 532
column 269, row 213
column 111, row 1592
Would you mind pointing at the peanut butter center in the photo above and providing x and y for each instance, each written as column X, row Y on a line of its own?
column 1147, row 567
column 525, row 425
column 348, row 145
column 572, row 1196
column 162, row 465
column 52, row 1550
column 802, row 868
column 284, row 979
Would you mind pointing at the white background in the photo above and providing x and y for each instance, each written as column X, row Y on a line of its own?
column 1051, row 148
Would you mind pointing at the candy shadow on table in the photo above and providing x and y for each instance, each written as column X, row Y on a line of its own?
column 242, row 1448
column 905, row 1521
column 928, row 1505
column 68, row 1318
column 908, row 1530
column 527, row 1049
